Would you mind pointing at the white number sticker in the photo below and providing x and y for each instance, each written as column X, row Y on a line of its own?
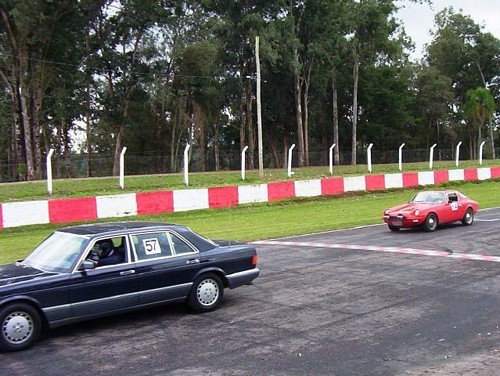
column 151, row 246
column 454, row 206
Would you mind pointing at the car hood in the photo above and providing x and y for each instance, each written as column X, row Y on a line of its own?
column 410, row 207
column 17, row 272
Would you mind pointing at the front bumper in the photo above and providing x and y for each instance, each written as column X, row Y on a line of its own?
column 399, row 221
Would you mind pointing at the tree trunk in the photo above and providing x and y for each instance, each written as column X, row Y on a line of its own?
column 298, row 111
column 199, row 126
column 68, row 166
column 58, row 148
column 28, row 146
column 306, row 115
column 335, row 111
column 354, row 110
column 492, row 140
column 37, row 130
column 216, row 148
column 242, row 127
column 118, row 149
column 175, row 125
column 13, row 150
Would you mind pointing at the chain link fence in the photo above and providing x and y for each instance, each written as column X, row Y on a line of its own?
column 81, row 166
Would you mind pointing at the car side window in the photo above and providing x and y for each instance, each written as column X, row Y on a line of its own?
column 452, row 197
column 151, row 245
column 180, row 247
column 108, row 251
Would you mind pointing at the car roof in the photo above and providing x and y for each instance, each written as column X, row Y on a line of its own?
column 111, row 229
column 95, row 229
column 446, row 191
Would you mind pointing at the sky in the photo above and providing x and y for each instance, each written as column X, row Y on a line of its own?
column 419, row 18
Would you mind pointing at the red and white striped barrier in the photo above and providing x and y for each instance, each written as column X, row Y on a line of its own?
column 90, row 208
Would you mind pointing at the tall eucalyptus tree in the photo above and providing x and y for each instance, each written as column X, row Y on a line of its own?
column 37, row 37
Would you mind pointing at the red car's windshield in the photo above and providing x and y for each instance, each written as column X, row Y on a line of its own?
column 433, row 197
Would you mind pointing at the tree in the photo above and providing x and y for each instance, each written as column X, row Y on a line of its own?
column 370, row 42
column 434, row 100
column 468, row 56
column 236, row 24
column 34, row 36
column 479, row 108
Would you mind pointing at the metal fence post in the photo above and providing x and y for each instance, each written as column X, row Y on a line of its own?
column 49, row 171
column 290, row 160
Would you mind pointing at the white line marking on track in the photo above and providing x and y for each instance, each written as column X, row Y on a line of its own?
column 409, row 251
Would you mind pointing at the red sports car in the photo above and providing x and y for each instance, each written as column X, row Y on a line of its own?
column 430, row 209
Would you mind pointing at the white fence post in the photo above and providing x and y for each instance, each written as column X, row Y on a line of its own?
column 49, row 171
column 290, row 160
column 401, row 156
column 186, row 163
column 122, row 167
column 431, row 156
column 481, row 153
column 457, row 153
column 369, row 157
column 243, row 160
column 330, row 158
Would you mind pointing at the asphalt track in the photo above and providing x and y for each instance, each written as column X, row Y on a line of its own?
column 362, row 301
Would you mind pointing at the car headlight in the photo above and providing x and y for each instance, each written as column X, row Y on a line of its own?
column 417, row 212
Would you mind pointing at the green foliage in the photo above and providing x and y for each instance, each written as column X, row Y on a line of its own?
column 479, row 106
column 155, row 75
column 245, row 223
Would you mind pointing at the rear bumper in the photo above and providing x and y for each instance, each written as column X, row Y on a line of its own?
column 242, row 278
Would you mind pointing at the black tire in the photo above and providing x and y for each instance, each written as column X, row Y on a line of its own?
column 206, row 294
column 431, row 222
column 20, row 326
column 468, row 217
column 394, row 228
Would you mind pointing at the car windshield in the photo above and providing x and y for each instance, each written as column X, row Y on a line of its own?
column 435, row 197
column 57, row 254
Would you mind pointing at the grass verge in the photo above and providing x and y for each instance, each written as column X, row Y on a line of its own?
column 63, row 188
column 269, row 220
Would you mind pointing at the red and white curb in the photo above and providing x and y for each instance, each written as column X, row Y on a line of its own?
column 408, row 251
column 66, row 210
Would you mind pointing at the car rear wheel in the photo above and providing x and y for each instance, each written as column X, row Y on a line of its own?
column 394, row 228
column 468, row 217
column 20, row 327
column 206, row 293
column 431, row 222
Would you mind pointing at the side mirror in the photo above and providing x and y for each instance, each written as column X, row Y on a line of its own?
column 86, row 264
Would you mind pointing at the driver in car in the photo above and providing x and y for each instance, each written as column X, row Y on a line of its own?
column 105, row 253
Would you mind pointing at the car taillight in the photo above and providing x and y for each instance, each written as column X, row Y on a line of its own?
column 255, row 259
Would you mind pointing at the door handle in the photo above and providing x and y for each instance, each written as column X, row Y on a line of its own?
column 193, row 261
column 127, row 272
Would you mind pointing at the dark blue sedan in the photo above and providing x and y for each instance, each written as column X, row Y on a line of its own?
column 88, row 271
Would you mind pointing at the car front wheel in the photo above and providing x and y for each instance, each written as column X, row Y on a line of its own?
column 468, row 217
column 431, row 222
column 206, row 293
column 20, row 327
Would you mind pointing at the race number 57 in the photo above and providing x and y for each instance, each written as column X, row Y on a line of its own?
column 151, row 246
